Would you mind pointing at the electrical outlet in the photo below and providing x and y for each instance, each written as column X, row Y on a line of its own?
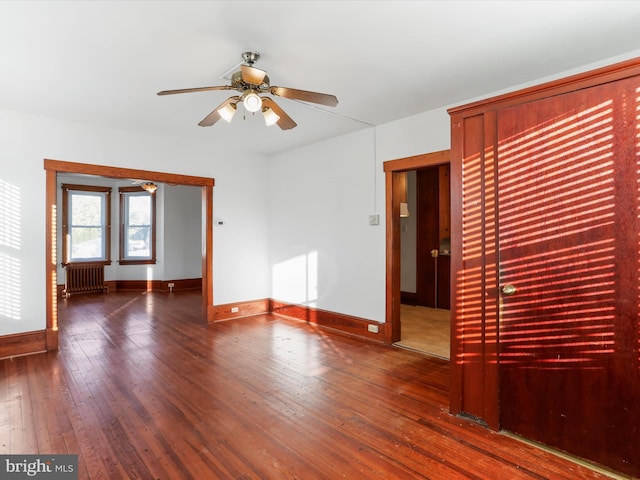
column 171, row 285
column 235, row 309
column 374, row 219
column 372, row 328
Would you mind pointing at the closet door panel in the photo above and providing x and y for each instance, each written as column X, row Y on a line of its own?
column 568, row 239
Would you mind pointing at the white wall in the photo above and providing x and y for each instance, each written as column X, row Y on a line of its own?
column 321, row 198
column 240, row 248
column 182, row 232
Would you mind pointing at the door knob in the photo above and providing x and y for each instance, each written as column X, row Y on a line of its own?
column 508, row 289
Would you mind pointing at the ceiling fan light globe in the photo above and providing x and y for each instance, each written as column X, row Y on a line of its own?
column 150, row 187
column 227, row 112
column 270, row 117
column 252, row 102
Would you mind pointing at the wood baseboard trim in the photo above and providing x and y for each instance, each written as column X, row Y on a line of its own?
column 230, row 311
column 409, row 298
column 340, row 322
column 26, row 343
column 51, row 338
column 147, row 286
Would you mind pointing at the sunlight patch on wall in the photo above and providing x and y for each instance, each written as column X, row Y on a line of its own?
column 9, row 216
column 9, row 248
column 296, row 280
column 9, row 286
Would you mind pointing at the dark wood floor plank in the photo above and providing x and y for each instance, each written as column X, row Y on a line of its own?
column 142, row 389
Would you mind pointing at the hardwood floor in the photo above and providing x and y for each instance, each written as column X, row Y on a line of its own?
column 426, row 330
column 142, row 389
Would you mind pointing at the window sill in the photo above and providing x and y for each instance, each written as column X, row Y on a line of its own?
column 87, row 262
column 151, row 261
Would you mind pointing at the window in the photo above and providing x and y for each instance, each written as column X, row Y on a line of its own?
column 137, row 226
column 86, row 225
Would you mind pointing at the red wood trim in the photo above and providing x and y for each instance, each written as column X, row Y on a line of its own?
column 491, row 307
column 392, row 309
column 240, row 309
column 154, row 285
column 340, row 322
column 617, row 71
column 207, row 253
column 86, row 188
column 151, row 261
column 134, row 189
column 392, row 212
column 51, row 272
column 51, row 339
column 137, row 285
column 416, row 161
column 395, row 260
column 112, row 286
column 117, row 172
column 408, row 298
column 23, row 344
column 455, row 364
column 100, row 262
column 183, row 284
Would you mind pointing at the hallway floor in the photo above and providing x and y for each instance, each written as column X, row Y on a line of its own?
column 426, row 330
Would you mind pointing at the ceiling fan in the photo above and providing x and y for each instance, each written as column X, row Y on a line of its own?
column 145, row 185
column 252, row 82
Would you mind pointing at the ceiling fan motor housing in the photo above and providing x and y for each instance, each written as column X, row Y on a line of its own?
column 238, row 83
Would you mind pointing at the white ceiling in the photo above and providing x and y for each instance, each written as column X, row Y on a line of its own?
column 103, row 62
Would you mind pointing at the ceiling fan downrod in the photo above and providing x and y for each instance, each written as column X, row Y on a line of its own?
column 250, row 57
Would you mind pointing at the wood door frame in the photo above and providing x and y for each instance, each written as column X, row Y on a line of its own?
column 53, row 167
column 393, row 169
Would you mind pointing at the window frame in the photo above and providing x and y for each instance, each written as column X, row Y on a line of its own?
column 123, row 225
column 66, row 228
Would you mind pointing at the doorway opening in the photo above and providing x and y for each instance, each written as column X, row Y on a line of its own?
column 54, row 167
column 418, row 252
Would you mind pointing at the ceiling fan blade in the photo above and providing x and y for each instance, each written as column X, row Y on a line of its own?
column 313, row 97
column 197, row 89
column 285, row 122
column 252, row 75
column 214, row 116
column 210, row 119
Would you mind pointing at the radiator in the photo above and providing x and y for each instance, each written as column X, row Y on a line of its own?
column 82, row 278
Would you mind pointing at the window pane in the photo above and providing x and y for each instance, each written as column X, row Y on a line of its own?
column 86, row 243
column 139, row 242
column 139, row 210
column 138, row 229
column 86, row 209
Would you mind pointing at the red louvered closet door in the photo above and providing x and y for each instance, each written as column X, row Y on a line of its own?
column 568, row 234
